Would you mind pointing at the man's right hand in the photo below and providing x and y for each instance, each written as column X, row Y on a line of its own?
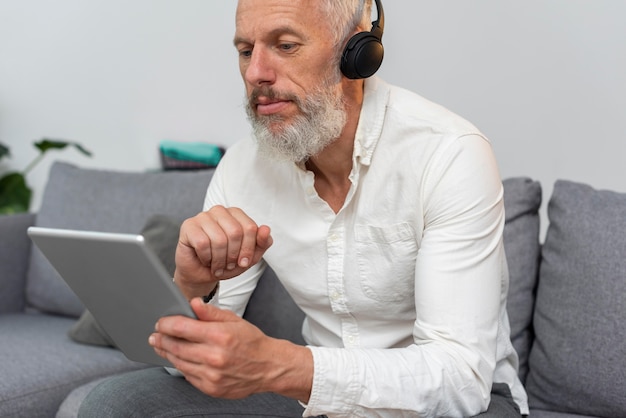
column 218, row 244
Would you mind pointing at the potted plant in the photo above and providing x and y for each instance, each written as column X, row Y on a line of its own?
column 15, row 194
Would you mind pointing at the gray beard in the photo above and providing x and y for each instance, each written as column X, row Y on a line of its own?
column 320, row 123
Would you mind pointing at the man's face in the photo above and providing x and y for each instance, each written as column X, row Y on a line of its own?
column 288, row 64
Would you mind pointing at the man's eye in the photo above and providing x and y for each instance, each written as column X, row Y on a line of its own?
column 245, row 53
column 287, row 47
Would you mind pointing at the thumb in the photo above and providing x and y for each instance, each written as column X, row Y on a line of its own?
column 264, row 241
column 211, row 313
column 264, row 238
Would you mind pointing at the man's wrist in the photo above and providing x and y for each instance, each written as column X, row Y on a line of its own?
column 294, row 372
column 191, row 291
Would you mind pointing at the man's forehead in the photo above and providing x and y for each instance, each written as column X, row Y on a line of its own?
column 306, row 7
column 297, row 17
column 298, row 3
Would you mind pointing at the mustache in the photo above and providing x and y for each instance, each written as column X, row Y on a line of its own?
column 272, row 94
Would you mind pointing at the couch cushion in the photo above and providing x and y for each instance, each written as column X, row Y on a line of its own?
column 539, row 413
column 522, row 198
column 578, row 360
column 108, row 201
column 41, row 365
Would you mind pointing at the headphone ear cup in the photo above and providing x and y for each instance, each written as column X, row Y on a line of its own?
column 362, row 56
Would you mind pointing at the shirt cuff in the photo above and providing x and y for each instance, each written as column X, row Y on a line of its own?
column 336, row 385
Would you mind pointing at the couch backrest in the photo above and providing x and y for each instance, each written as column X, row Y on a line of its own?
column 522, row 199
column 578, row 359
column 14, row 250
column 107, row 201
column 272, row 310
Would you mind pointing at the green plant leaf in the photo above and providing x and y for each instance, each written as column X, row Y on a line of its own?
column 14, row 194
column 82, row 149
column 4, row 151
column 47, row 144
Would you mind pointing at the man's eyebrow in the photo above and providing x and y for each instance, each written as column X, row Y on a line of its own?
column 274, row 33
column 239, row 40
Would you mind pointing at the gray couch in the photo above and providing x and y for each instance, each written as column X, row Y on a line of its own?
column 566, row 300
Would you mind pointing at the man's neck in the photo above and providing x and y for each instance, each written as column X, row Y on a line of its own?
column 333, row 165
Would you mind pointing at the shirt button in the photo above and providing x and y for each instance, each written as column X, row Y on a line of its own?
column 334, row 296
column 310, row 191
column 334, row 238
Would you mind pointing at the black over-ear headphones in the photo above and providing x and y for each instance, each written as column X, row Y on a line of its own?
column 364, row 51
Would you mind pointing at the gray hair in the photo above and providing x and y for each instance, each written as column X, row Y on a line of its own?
column 345, row 16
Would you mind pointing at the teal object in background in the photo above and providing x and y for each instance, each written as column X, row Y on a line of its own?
column 189, row 155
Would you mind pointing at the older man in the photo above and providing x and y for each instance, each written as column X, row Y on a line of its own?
column 386, row 222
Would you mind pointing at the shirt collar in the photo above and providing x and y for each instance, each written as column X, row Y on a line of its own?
column 370, row 126
column 369, row 129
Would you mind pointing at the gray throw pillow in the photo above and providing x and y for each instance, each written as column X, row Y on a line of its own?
column 578, row 360
column 87, row 330
column 522, row 199
column 107, row 201
column 161, row 234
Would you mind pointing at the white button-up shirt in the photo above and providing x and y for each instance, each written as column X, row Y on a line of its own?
column 404, row 289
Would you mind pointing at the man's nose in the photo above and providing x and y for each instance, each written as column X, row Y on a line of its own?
column 260, row 69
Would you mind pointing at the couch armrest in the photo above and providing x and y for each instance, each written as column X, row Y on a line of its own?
column 14, row 256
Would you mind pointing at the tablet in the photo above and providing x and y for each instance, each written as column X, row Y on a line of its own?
column 119, row 280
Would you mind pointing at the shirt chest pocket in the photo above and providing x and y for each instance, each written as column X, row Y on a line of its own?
column 386, row 261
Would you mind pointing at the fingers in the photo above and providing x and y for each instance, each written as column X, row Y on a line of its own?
column 220, row 243
column 179, row 339
column 242, row 248
column 195, row 330
column 264, row 238
column 217, row 237
column 186, row 342
column 210, row 313
column 183, row 355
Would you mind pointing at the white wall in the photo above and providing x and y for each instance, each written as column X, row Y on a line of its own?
column 545, row 80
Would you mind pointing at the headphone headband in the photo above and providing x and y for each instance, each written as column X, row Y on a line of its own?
column 378, row 26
